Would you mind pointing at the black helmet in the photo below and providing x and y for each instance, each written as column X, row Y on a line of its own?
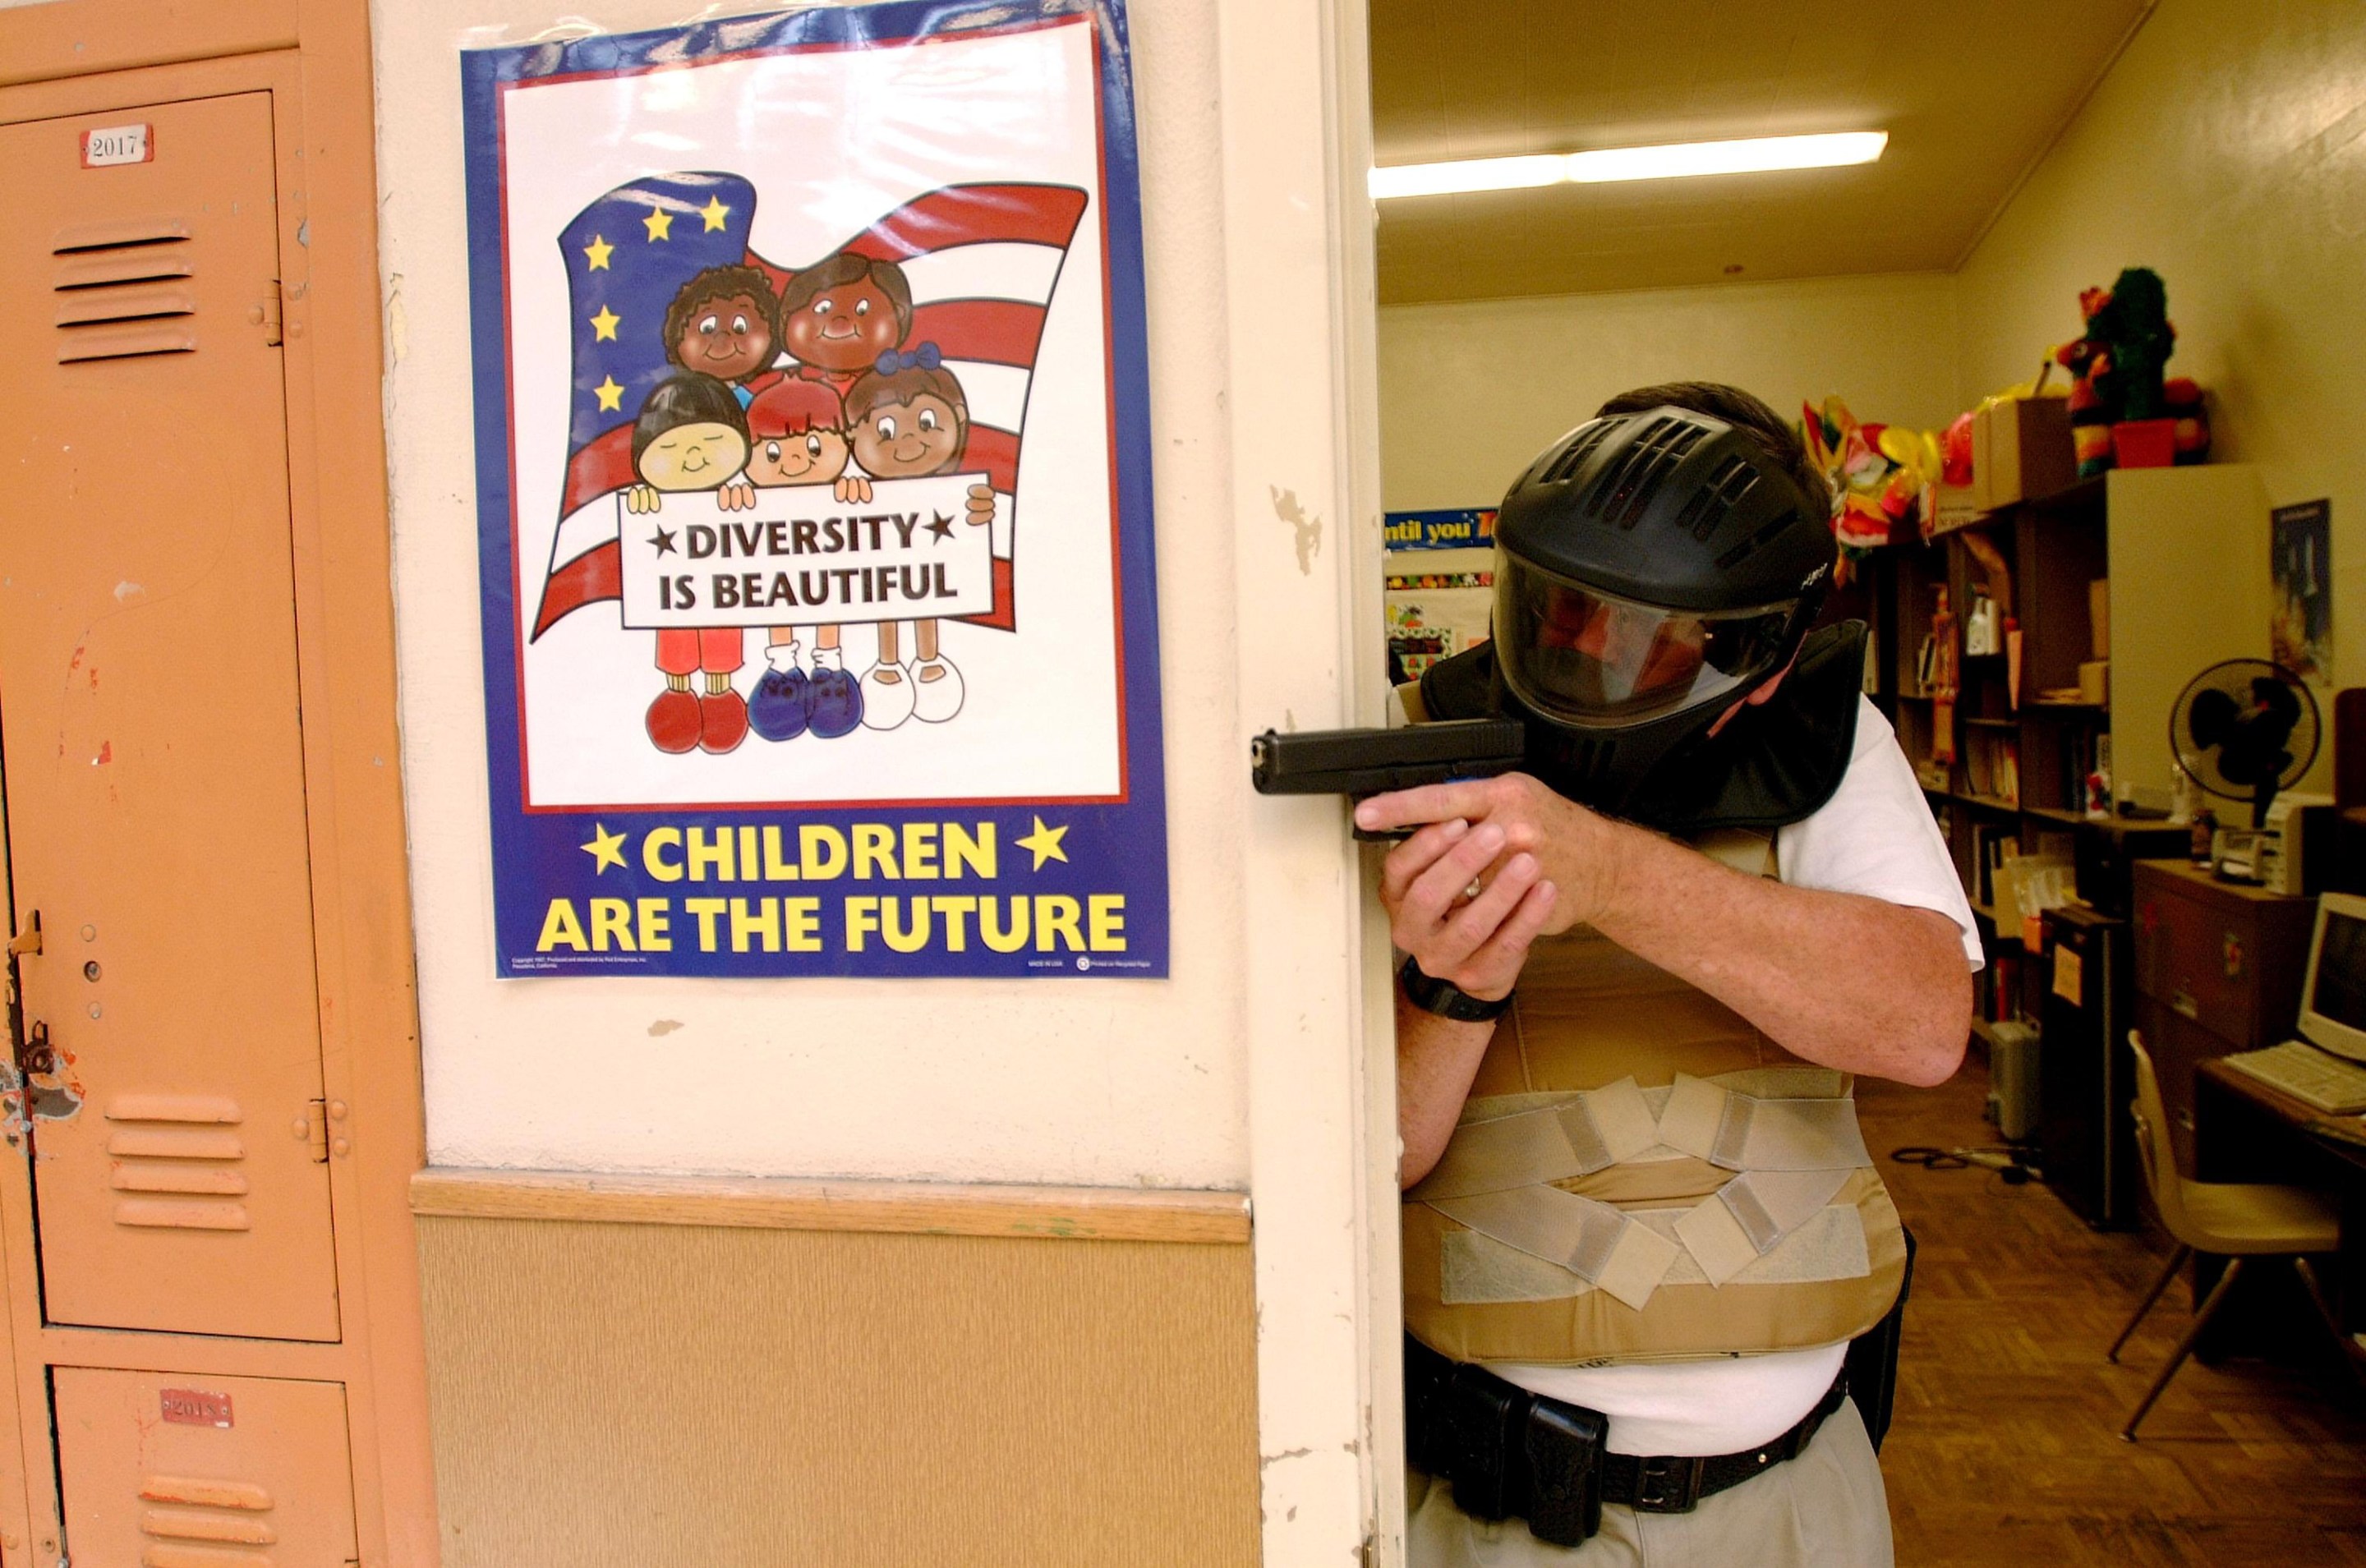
column 1653, row 568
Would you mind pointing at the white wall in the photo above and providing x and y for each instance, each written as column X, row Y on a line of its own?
column 2227, row 152
column 1470, row 392
column 1075, row 1080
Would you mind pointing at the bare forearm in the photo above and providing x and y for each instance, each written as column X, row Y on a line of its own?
column 1837, row 978
column 1437, row 1059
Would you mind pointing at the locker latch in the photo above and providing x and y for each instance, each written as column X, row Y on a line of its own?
column 265, row 314
column 38, row 1056
column 316, row 1129
column 27, row 941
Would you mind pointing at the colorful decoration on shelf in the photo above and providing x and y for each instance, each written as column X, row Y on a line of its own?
column 1883, row 477
column 1939, row 673
column 2125, row 410
column 2181, row 395
column 1955, row 450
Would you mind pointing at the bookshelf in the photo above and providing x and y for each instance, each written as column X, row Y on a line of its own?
column 2181, row 555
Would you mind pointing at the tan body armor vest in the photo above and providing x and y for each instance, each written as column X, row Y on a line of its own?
column 1641, row 1174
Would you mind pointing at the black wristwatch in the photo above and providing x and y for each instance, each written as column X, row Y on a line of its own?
column 1445, row 999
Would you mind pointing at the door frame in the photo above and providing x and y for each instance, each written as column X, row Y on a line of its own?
column 313, row 56
column 1319, row 1016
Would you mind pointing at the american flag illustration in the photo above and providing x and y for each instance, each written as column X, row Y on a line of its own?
column 982, row 260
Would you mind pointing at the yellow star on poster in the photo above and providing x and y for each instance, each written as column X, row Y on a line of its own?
column 715, row 212
column 605, row 849
column 603, row 325
column 611, row 395
column 660, row 224
column 597, row 254
column 1043, row 843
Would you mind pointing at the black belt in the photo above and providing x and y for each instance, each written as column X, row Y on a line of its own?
column 1512, row 1453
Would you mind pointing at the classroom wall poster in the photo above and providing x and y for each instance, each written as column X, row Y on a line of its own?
column 813, row 472
column 1440, row 586
column 2301, row 560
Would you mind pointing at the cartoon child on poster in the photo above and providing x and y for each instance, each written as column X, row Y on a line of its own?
column 723, row 324
column 799, row 429
column 692, row 435
column 909, row 419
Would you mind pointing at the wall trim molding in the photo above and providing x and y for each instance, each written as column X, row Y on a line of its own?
column 1082, row 1213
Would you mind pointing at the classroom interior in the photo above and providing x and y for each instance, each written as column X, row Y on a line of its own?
column 2053, row 596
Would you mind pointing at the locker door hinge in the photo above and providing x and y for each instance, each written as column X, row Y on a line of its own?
column 27, row 941
column 316, row 1129
column 267, row 313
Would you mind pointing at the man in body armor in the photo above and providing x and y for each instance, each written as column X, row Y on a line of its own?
column 1641, row 1228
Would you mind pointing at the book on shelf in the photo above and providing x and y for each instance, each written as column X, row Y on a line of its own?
column 1992, row 765
column 1989, row 841
column 1999, row 999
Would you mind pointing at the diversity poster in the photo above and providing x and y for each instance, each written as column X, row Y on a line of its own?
column 813, row 485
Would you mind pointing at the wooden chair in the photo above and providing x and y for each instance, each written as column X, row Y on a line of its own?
column 2236, row 1220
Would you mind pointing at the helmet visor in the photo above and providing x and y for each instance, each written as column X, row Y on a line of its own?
column 1593, row 658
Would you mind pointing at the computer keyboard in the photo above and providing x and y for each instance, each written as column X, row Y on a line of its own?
column 2305, row 1073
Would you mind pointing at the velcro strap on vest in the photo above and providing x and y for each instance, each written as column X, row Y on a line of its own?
column 1744, row 1220
column 1739, row 1132
column 1576, row 1137
column 1590, row 1239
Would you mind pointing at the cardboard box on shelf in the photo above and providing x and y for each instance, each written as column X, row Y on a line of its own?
column 2095, row 682
column 2022, row 448
column 2098, row 616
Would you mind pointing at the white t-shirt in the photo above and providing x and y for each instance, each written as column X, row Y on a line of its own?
column 1875, row 836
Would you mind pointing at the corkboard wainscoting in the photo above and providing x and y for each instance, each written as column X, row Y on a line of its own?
column 628, row 1371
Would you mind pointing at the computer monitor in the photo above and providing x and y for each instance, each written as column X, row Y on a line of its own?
column 2333, row 998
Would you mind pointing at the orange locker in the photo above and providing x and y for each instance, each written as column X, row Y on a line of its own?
column 222, row 1472
column 151, row 730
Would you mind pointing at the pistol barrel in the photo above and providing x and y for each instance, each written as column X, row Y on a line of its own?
column 1371, row 761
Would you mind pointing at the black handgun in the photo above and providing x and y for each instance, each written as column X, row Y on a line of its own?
column 1360, row 763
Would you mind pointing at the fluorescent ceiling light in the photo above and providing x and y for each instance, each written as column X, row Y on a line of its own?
column 1470, row 173
column 1675, row 160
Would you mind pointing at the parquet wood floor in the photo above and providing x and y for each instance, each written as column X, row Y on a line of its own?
column 2005, row 1449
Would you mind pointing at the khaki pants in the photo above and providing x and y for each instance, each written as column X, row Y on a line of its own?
column 1824, row 1509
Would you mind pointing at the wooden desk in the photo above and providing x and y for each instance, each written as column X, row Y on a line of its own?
column 2218, row 968
column 2245, row 1131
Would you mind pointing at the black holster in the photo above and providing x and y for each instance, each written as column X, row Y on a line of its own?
column 1510, row 1453
column 1872, row 1365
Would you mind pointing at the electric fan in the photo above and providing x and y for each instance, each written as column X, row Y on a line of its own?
column 2243, row 729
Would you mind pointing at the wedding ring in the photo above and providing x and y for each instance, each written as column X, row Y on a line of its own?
column 1473, row 890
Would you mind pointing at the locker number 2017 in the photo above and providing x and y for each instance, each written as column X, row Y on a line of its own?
column 117, row 144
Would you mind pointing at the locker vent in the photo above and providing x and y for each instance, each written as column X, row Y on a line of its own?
column 205, row 1524
column 122, row 290
column 181, row 1147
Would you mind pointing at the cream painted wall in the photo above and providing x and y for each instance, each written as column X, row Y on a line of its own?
column 1073, row 1082
column 2227, row 151
column 1470, row 392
